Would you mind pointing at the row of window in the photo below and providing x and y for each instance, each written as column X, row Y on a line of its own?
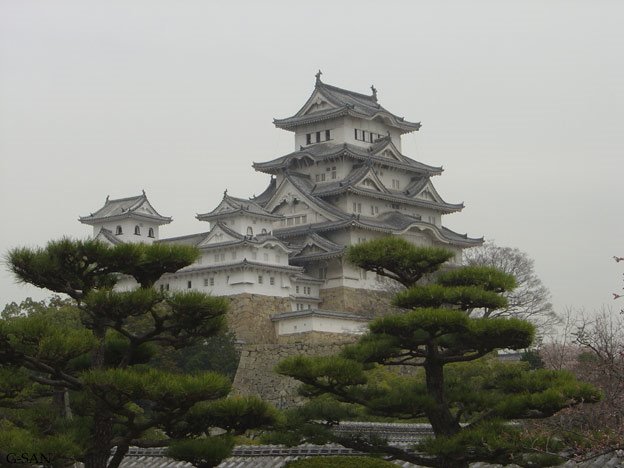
column 271, row 280
column 318, row 137
column 220, row 257
column 250, row 231
column 211, row 282
column 294, row 220
column 363, row 135
column 306, row 290
column 357, row 208
column 302, row 307
column 137, row 231
column 322, row 177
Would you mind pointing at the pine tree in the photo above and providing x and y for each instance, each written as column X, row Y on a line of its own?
column 467, row 396
column 78, row 384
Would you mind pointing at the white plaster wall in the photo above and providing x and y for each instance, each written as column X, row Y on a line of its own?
column 320, row 324
column 335, row 126
column 228, row 282
column 127, row 226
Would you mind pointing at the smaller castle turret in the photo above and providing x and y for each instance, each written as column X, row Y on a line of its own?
column 131, row 219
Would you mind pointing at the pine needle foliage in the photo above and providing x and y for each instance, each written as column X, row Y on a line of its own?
column 77, row 379
column 447, row 369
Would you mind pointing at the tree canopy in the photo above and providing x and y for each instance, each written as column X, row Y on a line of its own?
column 80, row 380
column 446, row 370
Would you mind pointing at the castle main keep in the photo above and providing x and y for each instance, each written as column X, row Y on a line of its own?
column 279, row 256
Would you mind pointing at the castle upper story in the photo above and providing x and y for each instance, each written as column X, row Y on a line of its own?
column 340, row 116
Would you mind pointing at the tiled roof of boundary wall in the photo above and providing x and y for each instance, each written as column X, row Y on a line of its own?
column 274, row 456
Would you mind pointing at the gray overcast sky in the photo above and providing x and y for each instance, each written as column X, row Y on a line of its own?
column 521, row 102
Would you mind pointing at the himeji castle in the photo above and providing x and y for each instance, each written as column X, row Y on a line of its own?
column 281, row 254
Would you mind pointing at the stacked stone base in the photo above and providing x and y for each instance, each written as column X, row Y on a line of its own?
column 250, row 319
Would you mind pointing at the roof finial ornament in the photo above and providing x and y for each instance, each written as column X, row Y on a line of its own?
column 374, row 90
column 225, row 193
column 143, row 192
column 318, row 76
column 107, row 196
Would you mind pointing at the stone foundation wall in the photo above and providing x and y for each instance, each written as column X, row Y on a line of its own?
column 249, row 316
column 256, row 375
column 364, row 302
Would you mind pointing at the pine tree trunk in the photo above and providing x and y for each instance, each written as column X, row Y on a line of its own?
column 442, row 420
column 100, row 447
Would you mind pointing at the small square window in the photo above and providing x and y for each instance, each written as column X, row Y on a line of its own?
column 272, row 281
column 260, row 279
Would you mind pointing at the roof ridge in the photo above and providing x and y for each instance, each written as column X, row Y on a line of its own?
column 346, row 91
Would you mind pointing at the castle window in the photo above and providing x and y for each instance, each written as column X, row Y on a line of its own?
column 205, row 281
column 162, row 287
column 189, row 285
column 118, row 231
column 364, row 135
column 327, row 135
column 249, row 231
column 322, row 177
column 150, row 233
column 308, row 138
column 333, row 174
column 264, row 231
column 357, row 134
column 309, row 306
column 272, row 281
column 260, row 279
column 318, row 137
column 396, row 184
column 137, row 230
column 322, row 272
column 297, row 289
column 167, row 287
column 212, row 281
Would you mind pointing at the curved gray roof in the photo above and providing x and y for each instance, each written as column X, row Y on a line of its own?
column 120, row 208
column 231, row 206
column 345, row 102
column 324, row 151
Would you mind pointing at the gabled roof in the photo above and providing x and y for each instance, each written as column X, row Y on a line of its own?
column 390, row 223
column 121, row 208
column 233, row 206
column 324, row 151
column 351, row 183
column 328, row 102
column 315, row 247
column 108, row 236
column 302, row 186
column 190, row 239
